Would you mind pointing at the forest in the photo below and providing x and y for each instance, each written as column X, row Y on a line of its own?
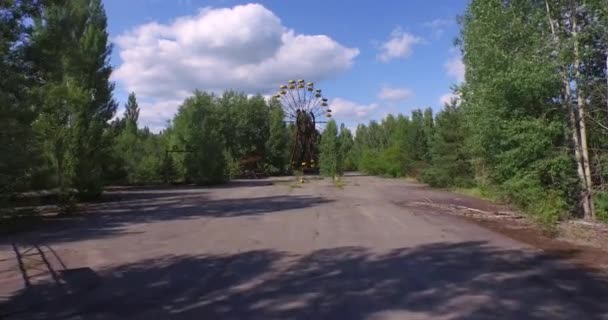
column 529, row 125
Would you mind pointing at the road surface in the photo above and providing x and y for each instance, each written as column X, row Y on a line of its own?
column 273, row 249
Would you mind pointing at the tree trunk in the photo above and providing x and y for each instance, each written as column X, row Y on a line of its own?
column 576, row 134
column 582, row 104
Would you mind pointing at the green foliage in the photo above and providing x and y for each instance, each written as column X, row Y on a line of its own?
column 131, row 114
column 19, row 149
column 194, row 148
column 196, row 131
column 449, row 160
column 245, row 125
column 515, row 129
column 277, row 152
column 508, row 138
column 167, row 170
column 139, row 154
column 329, row 158
column 233, row 167
column 345, row 140
column 387, row 162
column 71, row 50
column 601, row 206
column 396, row 147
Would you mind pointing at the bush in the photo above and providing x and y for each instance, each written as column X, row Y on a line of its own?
column 601, row 205
column 547, row 205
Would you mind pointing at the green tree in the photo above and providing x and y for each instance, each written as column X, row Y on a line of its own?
column 450, row 163
column 329, row 162
column 167, row 170
column 511, row 104
column 417, row 141
column 277, row 152
column 196, row 131
column 72, row 51
column 345, row 140
column 429, row 132
column 19, row 149
column 131, row 114
column 132, row 148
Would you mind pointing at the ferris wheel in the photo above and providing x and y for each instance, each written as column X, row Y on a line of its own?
column 298, row 98
column 305, row 108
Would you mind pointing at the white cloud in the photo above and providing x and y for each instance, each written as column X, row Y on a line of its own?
column 399, row 45
column 448, row 97
column 395, row 94
column 438, row 26
column 244, row 48
column 345, row 109
column 454, row 68
column 156, row 114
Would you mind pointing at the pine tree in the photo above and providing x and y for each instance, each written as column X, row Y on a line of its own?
column 429, row 132
column 131, row 114
column 450, row 163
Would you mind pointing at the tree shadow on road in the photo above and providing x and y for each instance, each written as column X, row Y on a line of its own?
column 468, row 280
column 106, row 219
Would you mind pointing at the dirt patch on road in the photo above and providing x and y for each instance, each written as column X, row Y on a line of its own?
column 582, row 243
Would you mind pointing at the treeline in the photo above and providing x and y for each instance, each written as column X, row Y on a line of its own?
column 431, row 149
column 531, row 123
column 59, row 125
column 529, row 126
column 55, row 96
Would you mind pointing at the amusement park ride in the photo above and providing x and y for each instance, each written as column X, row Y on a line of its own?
column 304, row 107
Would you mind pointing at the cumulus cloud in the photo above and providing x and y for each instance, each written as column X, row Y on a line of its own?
column 349, row 110
column 454, row 68
column 399, row 45
column 244, row 48
column 395, row 94
column 155, row 115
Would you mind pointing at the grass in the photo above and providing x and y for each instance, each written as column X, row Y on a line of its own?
column 543, row 214
column 479, row 192
column 339, row 183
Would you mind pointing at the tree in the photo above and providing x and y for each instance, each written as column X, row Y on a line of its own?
column 131, row 114
column 516, row 128
column 167, row 169
column 129, row 147
column 196, row 132
column 417, row 139
column 19, row 149
column 450, row 163
column 72, row 51
column 329, row 162
column 345, row 140
column 277, row 152
column 429, row 131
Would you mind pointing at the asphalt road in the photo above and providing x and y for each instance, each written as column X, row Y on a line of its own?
column 272, row 249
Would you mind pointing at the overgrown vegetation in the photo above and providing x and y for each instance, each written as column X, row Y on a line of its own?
column 529, row 126
column 530, row 123
column 56, row 103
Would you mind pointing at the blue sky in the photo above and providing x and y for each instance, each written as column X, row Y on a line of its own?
column 369, row 57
